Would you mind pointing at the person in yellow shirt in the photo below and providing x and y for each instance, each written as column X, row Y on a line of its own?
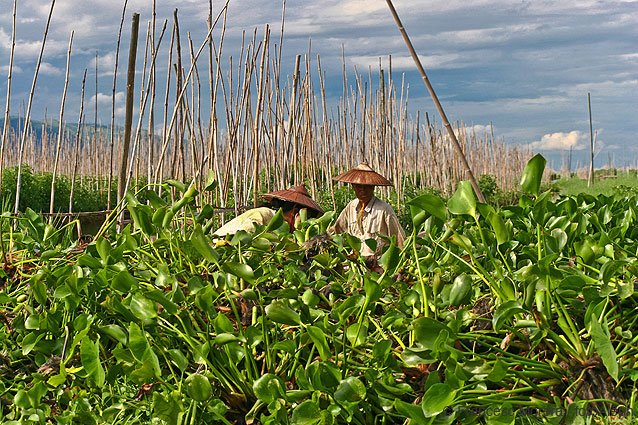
column 367, row 216
column 291, row 201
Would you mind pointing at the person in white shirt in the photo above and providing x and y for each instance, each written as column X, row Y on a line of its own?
column 291, row 201
column 367, row 216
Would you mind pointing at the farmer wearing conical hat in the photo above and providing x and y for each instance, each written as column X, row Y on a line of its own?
column 367, row 217
column 291, row 201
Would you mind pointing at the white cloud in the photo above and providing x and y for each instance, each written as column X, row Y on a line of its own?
column 478, row 129
column 406, row 62
column 558, row 141
column 47, row 69
column 5, row 69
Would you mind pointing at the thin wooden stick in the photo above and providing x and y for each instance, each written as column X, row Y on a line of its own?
column 117, row 56
column 6, row 124
column 60, row 126
column 448, row 127
column 121, row 185
column 28, row 113
column 77, row 146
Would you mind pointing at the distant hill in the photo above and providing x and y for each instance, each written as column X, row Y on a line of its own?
column 52, row 127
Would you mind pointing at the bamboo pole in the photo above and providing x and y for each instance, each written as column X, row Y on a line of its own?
column 256, row 126
column 446, row 123
column 77, row 147
column 117, row 56
column 7, row 124
column 28, row 113
column 129, row 107
column 60, row 126
column 590, row 180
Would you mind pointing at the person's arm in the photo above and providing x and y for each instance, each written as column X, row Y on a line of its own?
column 394, row 228
column 341, row 225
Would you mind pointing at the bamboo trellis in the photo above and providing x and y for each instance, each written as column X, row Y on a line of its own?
column 267, row 131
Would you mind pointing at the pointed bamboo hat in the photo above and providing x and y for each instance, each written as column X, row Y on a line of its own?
column 298, row 195
column 363, row 174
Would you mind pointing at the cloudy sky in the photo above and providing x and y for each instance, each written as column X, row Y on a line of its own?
column 524, row 66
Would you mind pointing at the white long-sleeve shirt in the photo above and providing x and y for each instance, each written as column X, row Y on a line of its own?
column 378, row 218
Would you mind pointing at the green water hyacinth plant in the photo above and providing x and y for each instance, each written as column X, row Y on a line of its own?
column 528, row 306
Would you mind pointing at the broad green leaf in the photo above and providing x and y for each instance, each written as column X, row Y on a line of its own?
column 353, row 242
column 123, row 282
column 427, row 330
column 390, row 259
column 242, row 271
column 189, row 196
column 604, row 347
column 560, row 236
column 436, row 399
column 372, row 289
column 533, row 174
column 143, row 308
column 198, row 387
column 463, row 200
column 498, row 372
column 610, row 268
column 203, row 246
column 498, row 225
column 357, row 333
column 160, row 298
column 461, row 290
column 319, row 339
column 506, row 311
column 178, row 358
column 276, row 222
column 90, row 356
column 280, row 313
column 226, row 338
column 350, row 390
column 431, row 204
column 269, row 387
column 103, row 248
column 181, row 187
column 306, row 413
column 142, row 216
column 137, row 341
column 21, row 399
column 503, row 414
column 167, row 408
column 115, row 332
column 409, row 410
column 211, row 183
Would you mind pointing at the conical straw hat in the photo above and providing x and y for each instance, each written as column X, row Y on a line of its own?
column 298, row 195
column 363, row 174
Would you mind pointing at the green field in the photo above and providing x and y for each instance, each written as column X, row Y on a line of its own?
column 527, row 308
column 606, row 183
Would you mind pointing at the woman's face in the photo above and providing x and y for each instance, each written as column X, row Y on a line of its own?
column 364, row 192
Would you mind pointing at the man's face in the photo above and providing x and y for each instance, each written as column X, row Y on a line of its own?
column 364, row 192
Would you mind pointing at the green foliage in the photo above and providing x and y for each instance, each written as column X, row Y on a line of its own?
column 623, row 184
column 35, row 191
column 483, row 307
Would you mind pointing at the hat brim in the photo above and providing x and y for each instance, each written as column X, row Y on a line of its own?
column 295, row 197
column 365, row 177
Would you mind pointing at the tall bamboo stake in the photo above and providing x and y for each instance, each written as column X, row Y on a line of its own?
column 448, row 127
column 28, row 113
column 60, row 126
column 117, row 56
column 121, row 183
column 77, row 148
column 260, row 96
column 6, row 123
column 590, row 181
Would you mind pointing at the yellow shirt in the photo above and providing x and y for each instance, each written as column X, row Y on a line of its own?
column 246, row 221
column 376, row 218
